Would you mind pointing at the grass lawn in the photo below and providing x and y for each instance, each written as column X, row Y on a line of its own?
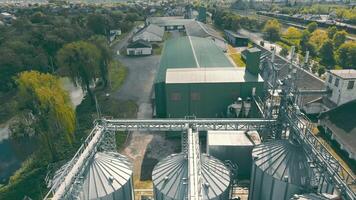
column 157, row 50
column 235, row 56
column 120, row 137
column 117, row 74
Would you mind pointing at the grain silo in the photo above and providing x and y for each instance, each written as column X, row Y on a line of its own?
column 280, row 169
column 109, row 177
column 170, row 178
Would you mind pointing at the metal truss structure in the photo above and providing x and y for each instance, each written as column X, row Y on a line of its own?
column 288, row 120
column 184, row 124
column 63, row 184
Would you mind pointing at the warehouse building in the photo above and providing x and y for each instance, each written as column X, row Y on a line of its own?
column 139, row 48
column 235, row 39
column 151, row 33
column 196, row 78
column 169, row 23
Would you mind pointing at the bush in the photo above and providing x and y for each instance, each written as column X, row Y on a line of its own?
column 284, row 52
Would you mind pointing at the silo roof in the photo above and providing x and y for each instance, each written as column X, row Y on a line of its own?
column 284, row 161
column 170, row 176
column 233, row 138
column 107, row 173
column 191, row 52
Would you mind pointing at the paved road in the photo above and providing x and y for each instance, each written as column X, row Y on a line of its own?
column 141, row 74
column 144, row 148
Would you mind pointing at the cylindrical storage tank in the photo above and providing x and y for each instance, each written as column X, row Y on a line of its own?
column 170, row 178
column 280, row 169
column 109, row 177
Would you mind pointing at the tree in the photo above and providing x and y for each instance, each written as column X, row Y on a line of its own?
column 318, row 38
column 272, row 30
column 105, row 56
column 99, row 24
column 284, row 52
column 311, row 27
column 49, row 104
column 326, row 53
column 321, row 70
column 292, row 33
column 346, row 55
column 339, row 38
column 80, row 60
column 331, row 31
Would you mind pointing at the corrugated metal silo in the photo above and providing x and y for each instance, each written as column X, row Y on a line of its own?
column 109, row 177
column 170, row 178
column 280, row 169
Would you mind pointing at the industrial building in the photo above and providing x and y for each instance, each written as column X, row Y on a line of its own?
column 139, row 48
column 196, row 78
column 199, row 29
column 151, row 33
column 341, row 89
column 340, row 125
column 235, row 39
column 235, row 146
column 169, row 23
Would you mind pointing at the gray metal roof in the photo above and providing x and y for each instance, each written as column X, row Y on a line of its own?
column 344, row 73
column 199, row 29
column 169, row 21
column 106, row 174
column 210, row 75
column 170, row 175
column 233, row 138
column 154, row 29
column 284, row 161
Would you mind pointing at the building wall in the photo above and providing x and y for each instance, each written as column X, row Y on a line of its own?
column 340, row 94
column 205, row 99
column 139, row 51
column 150, row 37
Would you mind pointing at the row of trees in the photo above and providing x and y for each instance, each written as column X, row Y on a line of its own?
column 225, row 19
column 327, row 46
column 34, row 40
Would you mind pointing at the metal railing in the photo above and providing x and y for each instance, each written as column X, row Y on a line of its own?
column 64, row 182
column 343, row 180
column 181, row 124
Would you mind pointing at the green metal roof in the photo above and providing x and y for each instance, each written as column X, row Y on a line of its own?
column 190, row 52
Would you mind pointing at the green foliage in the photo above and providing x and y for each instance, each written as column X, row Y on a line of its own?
column 271, row 30
column 321, row 70
column 120, row 138
column 80, row 60
column 43, row 95
column 326, row 53
column 339, row 38
column 284, row 52
column 318, row 37
column 292, row 33
column 229, row 20
column 331, row 31
column 105, row 56
column 311, row 27
column 346, row 55
column 99, row 24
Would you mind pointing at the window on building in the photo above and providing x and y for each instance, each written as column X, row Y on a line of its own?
column 350, row 85
column 175, row 96
column 195, row 96
column 330, row 79
column 337, row 82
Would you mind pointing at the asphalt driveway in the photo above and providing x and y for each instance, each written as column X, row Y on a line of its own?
column 139, row 81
